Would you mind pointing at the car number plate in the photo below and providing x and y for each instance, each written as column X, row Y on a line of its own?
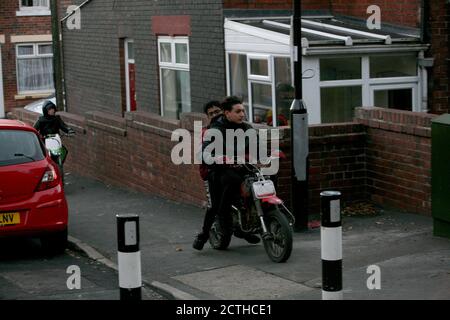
column 10, row 218
column 263, row 189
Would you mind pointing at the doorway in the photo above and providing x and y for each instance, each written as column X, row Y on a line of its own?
column 130, row 73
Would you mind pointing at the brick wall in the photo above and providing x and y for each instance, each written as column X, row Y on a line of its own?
column 275, row 4
column 398, row 155
column 92, row 58
column 385, row 157
column 438, row 29
column 337, row 161
column 402, row 12
column 132, row 152
column 10, row 24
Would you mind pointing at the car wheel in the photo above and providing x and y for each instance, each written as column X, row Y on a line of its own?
column 55, row 243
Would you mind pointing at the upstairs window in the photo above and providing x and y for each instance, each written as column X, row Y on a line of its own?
column 34, row 8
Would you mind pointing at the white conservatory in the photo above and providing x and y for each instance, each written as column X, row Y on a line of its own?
column 345, row 65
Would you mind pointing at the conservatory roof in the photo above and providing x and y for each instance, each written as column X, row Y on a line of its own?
column 328, row 31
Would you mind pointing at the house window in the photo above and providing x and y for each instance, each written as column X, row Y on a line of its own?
column 389, row 66
column 264, row 83
column 400, row 99
column 340, row 69
column 385, row 81
column 237, row 76
column 34, row 68
column 338, row 104
column 33, row 8
column 174, row 76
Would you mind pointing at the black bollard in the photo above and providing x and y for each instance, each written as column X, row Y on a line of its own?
column 129, row 257
column 331, row 243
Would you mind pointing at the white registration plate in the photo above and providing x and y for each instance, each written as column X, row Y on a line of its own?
column 263, row 189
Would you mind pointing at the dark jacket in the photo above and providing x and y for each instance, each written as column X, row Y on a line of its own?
column 203, row 168
column 222, row 124
column 48, row 124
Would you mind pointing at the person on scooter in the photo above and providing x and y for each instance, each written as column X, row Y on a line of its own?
column 50, row 123
column 227, row 180
column 213, row 112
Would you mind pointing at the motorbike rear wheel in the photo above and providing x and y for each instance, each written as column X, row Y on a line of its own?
column 279, row 247
column 219, row 235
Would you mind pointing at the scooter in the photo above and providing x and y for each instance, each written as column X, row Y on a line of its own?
column 58, row 151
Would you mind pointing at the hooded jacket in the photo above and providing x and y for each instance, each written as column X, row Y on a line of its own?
column 48, row 124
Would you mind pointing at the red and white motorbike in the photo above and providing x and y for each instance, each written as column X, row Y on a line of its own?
column 257, row 211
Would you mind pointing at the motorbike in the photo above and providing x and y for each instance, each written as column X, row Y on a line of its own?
column 257, row 211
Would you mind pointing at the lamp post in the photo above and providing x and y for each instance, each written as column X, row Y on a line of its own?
column 299, row 131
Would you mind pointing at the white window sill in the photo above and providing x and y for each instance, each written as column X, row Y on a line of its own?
column 31, row 13
column 37, row 95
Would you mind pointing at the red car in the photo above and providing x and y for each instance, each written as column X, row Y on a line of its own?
column 32, row 199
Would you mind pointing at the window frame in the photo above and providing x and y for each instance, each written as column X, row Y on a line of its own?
column 370, row 85
column 33, row 10
column 258, row 79
column 386, row 87
column 127, row 71
column 255, row 77
column 173, row 65
column 35, row 55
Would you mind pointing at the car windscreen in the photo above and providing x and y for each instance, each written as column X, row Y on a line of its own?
column 17, row 147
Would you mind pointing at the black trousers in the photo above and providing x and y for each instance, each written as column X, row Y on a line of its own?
column 224, row 187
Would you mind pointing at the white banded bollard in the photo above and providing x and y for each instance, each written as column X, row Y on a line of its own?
column 331, row 243
column 129, row 257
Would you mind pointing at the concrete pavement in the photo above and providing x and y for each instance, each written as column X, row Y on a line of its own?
column 413, row 263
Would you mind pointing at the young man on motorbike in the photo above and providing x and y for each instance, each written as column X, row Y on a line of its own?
column 227, row 180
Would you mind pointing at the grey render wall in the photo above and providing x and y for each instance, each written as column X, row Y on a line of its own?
column 92, row 60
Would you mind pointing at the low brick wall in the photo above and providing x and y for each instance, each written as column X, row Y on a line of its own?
column 383, row 156
column 132, row 152
column 398, row 155
column 337, row 161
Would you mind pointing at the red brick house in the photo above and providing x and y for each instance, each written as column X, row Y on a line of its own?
column 26, row 52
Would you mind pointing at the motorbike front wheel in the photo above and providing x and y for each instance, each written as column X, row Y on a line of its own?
column 279, row 246
column 219, row 235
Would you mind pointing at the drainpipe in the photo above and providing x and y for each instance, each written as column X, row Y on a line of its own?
column 57, row 72
column 423, row 74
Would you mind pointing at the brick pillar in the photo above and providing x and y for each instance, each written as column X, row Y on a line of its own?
column 438, row 25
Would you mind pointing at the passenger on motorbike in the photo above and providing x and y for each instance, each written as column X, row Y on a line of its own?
column 213, row 112
column 227, row 179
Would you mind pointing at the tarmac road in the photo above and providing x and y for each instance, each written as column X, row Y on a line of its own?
column 26, row 273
